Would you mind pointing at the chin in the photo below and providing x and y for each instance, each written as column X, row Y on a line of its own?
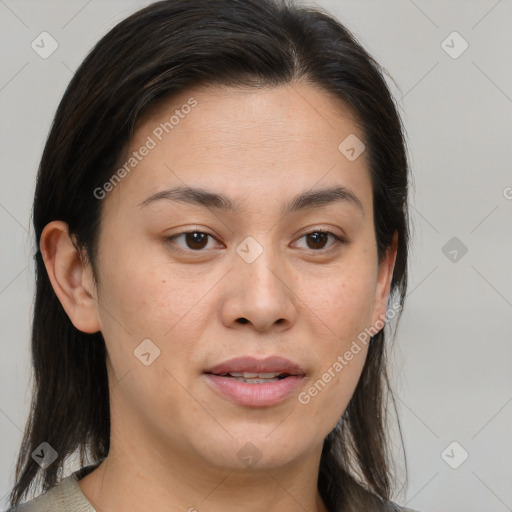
column 258, row 449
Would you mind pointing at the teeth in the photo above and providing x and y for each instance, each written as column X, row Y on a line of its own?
column 255, row 381
column 255, row 378
column 249, row 375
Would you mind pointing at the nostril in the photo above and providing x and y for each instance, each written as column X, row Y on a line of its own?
column 243, row 320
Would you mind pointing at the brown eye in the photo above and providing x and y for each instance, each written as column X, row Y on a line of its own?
column 192, row 240
column 196, row 240
column 318, row 241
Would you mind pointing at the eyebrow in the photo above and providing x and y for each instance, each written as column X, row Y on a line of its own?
column 205, row 198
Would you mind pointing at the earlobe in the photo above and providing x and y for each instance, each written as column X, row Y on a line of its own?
column 70, row 276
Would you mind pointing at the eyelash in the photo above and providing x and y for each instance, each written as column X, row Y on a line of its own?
column 337, row 240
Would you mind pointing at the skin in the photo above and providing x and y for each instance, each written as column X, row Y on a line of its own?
column 174, row 440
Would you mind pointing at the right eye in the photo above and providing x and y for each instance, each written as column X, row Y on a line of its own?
column 193, row 240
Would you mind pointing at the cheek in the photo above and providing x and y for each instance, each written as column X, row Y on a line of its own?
column 341, row 308
column 147, row 298
column 327, row 394
column 341, row 301
column 147, row 294
column 149, row 301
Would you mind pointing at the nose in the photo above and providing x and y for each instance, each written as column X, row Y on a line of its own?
column 260, row 294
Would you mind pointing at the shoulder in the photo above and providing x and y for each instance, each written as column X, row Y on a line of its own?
column 63, row 497
column 52, row 500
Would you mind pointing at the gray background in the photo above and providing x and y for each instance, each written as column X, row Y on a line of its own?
column 452, row 355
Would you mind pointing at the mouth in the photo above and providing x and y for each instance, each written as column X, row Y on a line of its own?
column 249, row 367
column 254, row 378
column 253, row 382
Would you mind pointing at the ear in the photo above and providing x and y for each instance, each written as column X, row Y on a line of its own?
column 71, row 277
column 385, row 275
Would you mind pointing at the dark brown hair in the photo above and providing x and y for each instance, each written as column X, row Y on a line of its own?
column 160, row 50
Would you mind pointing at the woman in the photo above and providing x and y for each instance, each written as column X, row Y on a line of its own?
column 221, row 221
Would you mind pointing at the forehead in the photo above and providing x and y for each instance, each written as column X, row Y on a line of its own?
column 298, row 111
column 245, row 141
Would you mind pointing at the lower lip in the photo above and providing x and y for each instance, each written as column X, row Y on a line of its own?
column 255, row 395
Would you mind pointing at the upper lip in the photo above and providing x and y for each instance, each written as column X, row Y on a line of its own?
column 255, row 365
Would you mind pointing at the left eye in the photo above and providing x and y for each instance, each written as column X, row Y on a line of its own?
column 198, row 240
column 317, row 239
column 195, row 240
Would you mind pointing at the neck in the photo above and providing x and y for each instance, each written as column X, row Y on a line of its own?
column 131, row 480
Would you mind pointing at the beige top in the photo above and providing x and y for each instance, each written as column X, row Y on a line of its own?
column 63, row 497
column 67, row 496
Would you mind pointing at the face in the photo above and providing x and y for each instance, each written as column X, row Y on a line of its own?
column 277, row 277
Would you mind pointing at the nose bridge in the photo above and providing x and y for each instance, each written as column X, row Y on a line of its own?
column 263, row 295
column 256, row 259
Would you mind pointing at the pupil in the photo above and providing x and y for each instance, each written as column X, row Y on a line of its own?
column 195, row 238
column 315, row 236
